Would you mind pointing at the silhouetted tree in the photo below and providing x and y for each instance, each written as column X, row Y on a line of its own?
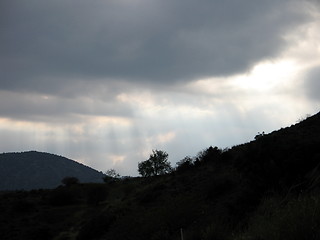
column 209, row 154
column 185, row 164
column 111, row 175
column 157, row 164
column 259, row 135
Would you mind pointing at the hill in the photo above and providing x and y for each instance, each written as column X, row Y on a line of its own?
column 35, row 170
column 265, row 189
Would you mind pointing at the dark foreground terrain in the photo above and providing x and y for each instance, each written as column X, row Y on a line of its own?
column 266, row 189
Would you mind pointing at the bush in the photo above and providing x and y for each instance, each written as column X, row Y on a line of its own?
column 212, row 154
column 185, row 164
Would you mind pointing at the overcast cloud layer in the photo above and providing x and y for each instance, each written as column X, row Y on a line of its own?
column 105, row 82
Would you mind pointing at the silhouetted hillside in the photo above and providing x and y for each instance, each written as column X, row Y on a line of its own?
column 283, row 158
column 35, row 170
column 267, row 189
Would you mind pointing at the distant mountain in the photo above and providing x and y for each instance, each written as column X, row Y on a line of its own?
column 36, row 170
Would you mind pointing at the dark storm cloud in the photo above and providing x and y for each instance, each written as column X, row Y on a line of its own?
column 46, row 45
column 35, row 107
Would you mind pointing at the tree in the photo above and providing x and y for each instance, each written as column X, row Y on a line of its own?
column 259, row 135
column 157, row 164
column 185, row 164
column 111, row 175
column 209, row 154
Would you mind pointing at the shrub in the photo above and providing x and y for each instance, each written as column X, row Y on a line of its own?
column 111, row 176
column 185, row 164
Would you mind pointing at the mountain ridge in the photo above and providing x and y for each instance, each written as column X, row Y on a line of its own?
column 41, row 170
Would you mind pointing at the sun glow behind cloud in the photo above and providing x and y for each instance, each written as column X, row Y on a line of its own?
column 267, row 76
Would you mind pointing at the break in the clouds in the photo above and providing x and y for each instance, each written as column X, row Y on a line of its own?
column 104, row 82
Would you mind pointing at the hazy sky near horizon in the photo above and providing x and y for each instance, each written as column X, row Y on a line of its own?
column 105, row 82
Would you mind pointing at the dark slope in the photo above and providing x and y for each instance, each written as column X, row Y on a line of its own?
column 216, row 195
column 283, row 158
column 35, row 170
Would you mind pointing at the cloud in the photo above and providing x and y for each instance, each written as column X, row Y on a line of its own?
column 49, row 45
column 50, row 108
column 312, row 84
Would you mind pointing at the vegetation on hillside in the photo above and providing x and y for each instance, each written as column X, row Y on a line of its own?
column 157, row 164
column 266, row 189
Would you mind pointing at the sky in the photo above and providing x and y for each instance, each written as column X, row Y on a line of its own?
column 104, row 82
